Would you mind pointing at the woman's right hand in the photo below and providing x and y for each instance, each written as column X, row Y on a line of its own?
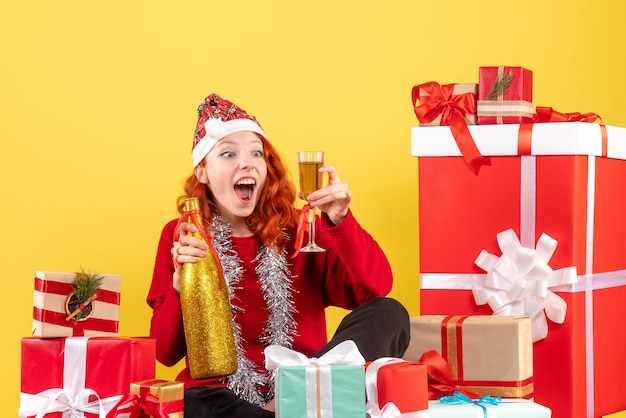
column 188, row 249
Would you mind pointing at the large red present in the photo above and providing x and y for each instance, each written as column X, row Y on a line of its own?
column 75, row 375
column 51, row 307
column 567, row 182
column 505, row 95
column 397, row 386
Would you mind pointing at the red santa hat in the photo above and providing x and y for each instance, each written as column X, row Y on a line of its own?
column 217, row 118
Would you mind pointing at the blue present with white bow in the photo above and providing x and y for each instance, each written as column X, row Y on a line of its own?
column 330, row 386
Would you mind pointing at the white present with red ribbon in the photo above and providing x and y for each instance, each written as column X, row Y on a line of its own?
column 547, row 184
column 81, row 376
column 51, row 317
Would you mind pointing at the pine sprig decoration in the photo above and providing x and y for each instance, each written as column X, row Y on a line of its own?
column 500, row 85
column 86, row 285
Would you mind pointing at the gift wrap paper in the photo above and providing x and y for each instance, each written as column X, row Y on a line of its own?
column 460, row 88
column 49, row 300
column 487, row 355
column 569, row 184
column 403, row 383
column 519, row 408
column 74, row 366
column 170, row 393
column 620, row 414
column 319, row 391
column 514, row 106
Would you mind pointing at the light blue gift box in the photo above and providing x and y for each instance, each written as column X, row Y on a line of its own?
column 507, row 408
column 319, row 391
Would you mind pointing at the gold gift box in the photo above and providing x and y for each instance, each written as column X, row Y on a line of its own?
column 170, row 393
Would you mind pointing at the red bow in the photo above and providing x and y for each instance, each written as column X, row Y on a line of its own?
column 440, row 382
column 138, row 407
column 304, row 225
column 441, row 101
column 547, row 114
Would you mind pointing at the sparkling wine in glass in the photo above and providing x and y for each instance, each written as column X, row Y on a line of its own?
column 309, row 163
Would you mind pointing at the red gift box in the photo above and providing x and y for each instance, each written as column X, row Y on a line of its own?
column 392, row 383
column 567, row 183
column 512, row 102
column 52, row 292
column 81, row 374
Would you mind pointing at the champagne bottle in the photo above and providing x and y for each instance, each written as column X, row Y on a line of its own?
column 207, row 317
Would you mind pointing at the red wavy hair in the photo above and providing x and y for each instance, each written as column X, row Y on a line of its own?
column 275, row 211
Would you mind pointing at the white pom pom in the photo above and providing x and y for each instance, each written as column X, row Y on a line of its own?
column 214, row 129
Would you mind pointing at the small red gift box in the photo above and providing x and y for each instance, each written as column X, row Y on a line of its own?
column 567, row 183
column 52, row 294
column 395, row 384
column 505, row 95
column 76, row 375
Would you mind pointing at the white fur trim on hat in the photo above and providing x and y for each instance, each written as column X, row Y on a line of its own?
column 217, row 129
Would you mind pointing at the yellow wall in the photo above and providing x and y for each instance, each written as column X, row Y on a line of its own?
column 98, row 106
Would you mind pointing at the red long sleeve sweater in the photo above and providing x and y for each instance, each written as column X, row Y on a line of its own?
column 353, row 270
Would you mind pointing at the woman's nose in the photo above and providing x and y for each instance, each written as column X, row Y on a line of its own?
column 246, row 164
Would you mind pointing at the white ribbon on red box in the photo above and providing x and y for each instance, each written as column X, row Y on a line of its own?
column 73, row 399
column 389, row 410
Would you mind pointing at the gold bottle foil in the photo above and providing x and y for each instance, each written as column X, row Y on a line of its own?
column 207, row 317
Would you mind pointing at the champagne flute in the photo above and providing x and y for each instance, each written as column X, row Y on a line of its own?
column 309, row 163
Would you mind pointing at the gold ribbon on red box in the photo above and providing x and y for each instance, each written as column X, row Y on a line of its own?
column 451, row 107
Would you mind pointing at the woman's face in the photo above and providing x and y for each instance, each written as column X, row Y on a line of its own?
column 235, row 172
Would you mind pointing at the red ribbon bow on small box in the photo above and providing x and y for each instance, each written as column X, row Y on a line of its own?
column 440, row 381
column 441, row 101
column 547, row 114
column 146, row 404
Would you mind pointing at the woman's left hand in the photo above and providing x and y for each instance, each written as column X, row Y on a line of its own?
column 334, row 198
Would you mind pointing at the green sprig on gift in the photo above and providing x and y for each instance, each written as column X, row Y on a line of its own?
column 85, row 290
column 500, row 85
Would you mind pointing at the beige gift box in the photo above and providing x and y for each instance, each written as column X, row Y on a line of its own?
column 487, row 355
column 458, row 89
column 50, row 315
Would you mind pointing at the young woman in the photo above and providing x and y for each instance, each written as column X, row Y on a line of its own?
column 278, row 295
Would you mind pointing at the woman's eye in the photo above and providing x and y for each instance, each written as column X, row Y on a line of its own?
column 228, row 154
column 257, row 153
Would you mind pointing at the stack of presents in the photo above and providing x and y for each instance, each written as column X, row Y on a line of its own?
column 522, row 214
column 522, row 265
column 76, row 365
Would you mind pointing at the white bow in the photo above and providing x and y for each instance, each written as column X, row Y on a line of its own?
column 345, row 352
column 59, row 400
column 389, row 410
column 519, row 282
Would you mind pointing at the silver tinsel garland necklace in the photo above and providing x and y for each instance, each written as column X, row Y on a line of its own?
column 280, row 328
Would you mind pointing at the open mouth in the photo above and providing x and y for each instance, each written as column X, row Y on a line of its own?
column 244, row 189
